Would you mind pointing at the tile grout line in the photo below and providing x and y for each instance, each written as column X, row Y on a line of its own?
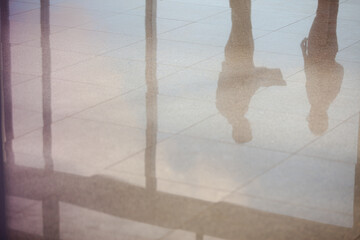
column 286, row 159
column 173, row 135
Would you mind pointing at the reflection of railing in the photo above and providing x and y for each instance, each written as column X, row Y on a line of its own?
column 4, row 67
column 223, row 220
column 50, row 203
column 357, row 188
column 151, row 94
column 6, row 76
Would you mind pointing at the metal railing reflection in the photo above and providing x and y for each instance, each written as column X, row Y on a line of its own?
column 357, row 188
column 50, row 204
column 4, row 77
column 151, row 94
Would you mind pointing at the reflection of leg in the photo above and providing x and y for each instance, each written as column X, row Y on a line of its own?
column 332, row 37
column 242, row 132
column 322, row 36
column 319, row 30
column 334, row 7
column 240, row 47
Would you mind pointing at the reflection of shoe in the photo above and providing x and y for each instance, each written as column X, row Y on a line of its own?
column 304, row 46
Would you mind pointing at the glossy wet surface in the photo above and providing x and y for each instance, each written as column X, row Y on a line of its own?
column 182, row 119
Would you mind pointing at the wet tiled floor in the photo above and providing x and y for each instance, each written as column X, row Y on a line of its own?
column 182, row 119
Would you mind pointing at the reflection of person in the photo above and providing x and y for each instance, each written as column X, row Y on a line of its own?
column 240, row 79
column 323, row 74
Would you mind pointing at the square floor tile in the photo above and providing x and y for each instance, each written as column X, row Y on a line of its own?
column 204, row 163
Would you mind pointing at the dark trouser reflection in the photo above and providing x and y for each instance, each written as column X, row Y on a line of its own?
column 323, row 74
column 240, row 79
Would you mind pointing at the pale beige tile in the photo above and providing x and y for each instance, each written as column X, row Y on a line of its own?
column 205, row 163
column 21, row 32
column 135, row 25
column 15, row 205
column 172, row 114
column 281, row 43
column 192, row 84
column 17, row 78
column 182, row 11
column 113, row 72
column 292, row 6
column 108, row 6
column 87, row 42
column 265, row 19
column 350, row 53
column 348, row 10
column 206, row 34
column 169, row 52
column 29, row 221
column 310, row 183
column 291, row 210
column 20, row 7
column 340, row 144
column 28, row 60
column 326, row 100
column 219, row 3
column 61, row 16
column 65, row 97
column 105, row 144
column 264, row 129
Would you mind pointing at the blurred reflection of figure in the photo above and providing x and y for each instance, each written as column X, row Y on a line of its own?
column 240, row 79
column 323, row 74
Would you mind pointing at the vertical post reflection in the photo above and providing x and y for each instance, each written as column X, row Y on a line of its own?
column 151, row 94
column 50, row 204
column 199, row 236
column 357, row 188
column 46, row 83
column 4, row 54
column 6, row 75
